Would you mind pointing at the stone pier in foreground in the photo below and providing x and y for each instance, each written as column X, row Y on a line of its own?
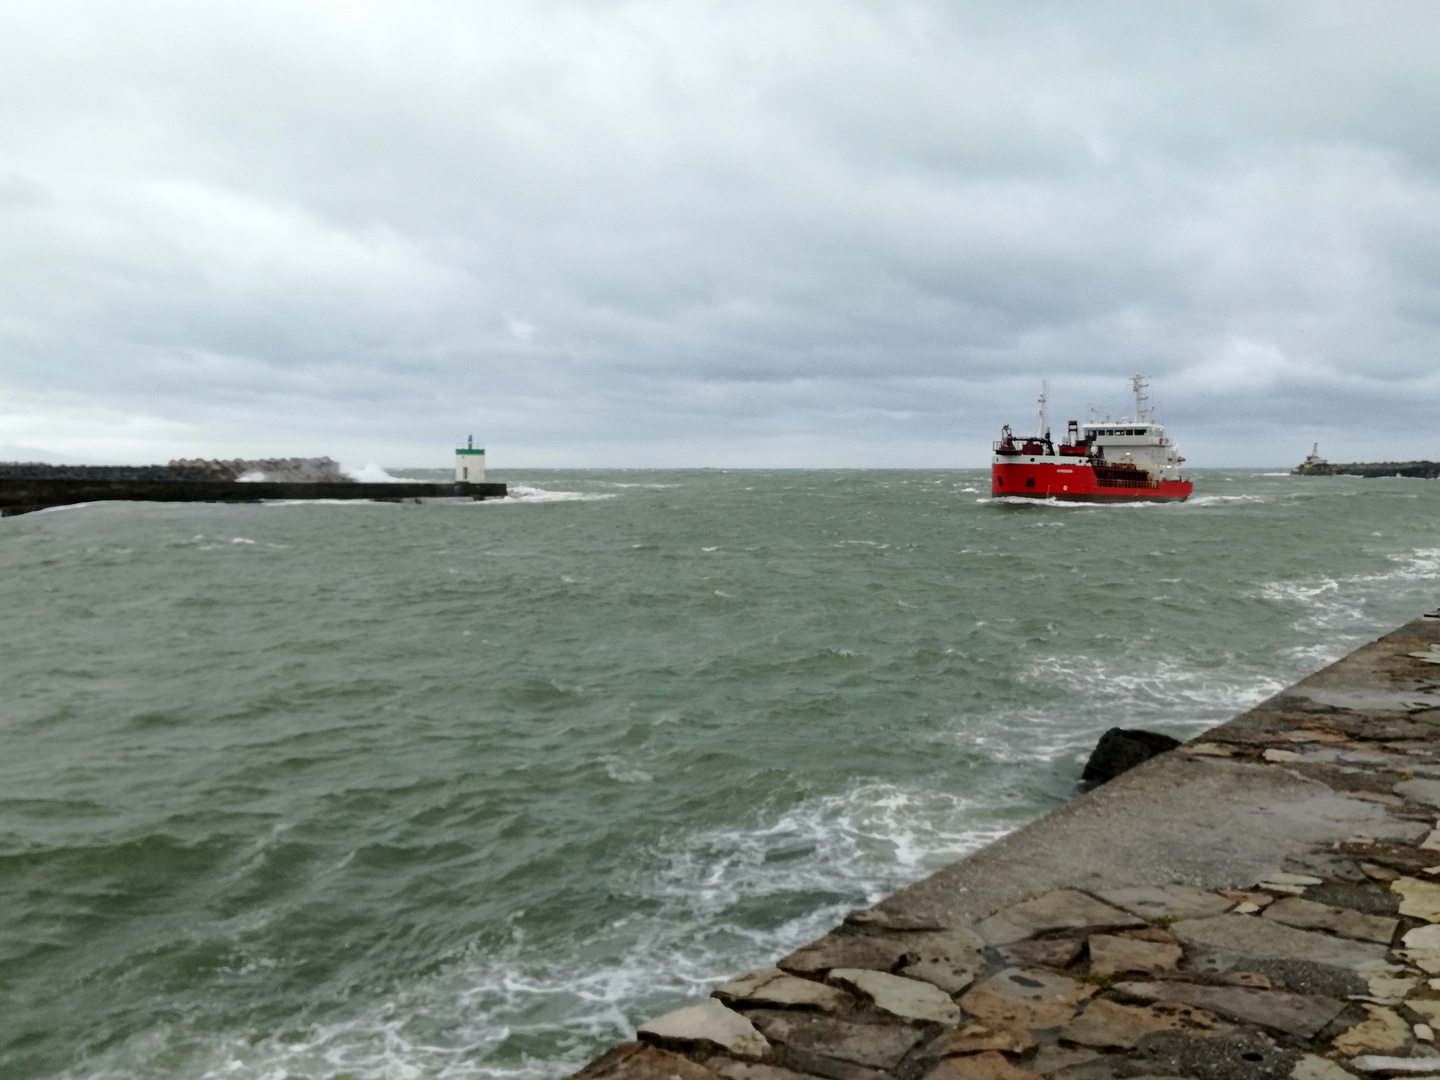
column 1263, row 902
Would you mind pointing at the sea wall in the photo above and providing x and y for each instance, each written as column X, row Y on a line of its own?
column 1423, row 470
column 20, row 495
column 1262, row 902
column 280, row 470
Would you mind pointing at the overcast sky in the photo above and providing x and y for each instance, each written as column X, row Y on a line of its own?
column 677, row 233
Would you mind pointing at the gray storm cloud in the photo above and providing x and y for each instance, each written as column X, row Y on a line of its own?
column 655, row 233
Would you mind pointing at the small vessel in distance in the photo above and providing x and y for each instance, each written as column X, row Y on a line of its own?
column 1126, row 460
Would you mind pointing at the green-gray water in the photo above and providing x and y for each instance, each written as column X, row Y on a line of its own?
column 455, row 791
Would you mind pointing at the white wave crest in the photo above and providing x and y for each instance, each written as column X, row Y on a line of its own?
column 1355, row 604
column 372, row 473
column 1221, row 500
column 1143, row 690
column 525, row 493
column 1069, row 504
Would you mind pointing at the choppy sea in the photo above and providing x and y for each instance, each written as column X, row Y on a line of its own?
column 364, row 791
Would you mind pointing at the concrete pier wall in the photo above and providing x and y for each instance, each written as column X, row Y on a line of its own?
column 1262, row 902
column 22, row 495
column 1423, row 470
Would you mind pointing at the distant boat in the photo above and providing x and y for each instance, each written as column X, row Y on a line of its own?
column 1126, row 460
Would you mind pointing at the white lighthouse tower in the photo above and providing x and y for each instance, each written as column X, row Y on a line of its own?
column 469, row 463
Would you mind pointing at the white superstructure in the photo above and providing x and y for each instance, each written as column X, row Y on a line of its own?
column 1137, row 440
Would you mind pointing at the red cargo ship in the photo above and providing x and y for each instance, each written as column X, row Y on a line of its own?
column 1127, row 460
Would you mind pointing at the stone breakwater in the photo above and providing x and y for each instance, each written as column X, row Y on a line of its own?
column 23, row 496
column 1424, row 470
column 1263, row 902
column 276, row 470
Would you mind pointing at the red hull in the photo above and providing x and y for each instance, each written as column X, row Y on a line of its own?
column 1077, row 482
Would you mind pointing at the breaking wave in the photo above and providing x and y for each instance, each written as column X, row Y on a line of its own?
column 526, row 493
column 527, row 1011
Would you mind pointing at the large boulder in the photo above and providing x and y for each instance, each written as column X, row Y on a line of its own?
column 1120, row 750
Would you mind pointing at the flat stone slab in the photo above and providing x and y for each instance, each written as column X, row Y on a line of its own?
column 771, row 986
column 707, row 1024
column 813, row 1064
column 1038, row 985
column 1111, row 955
column 1313, row 1067
column 1382, row 1031
column 1429, row 1009
column 1308, row 915
column 844, row 951
column 1108, row 1025
column 949, row 960
column 880, row 1046
column 1421, row 791
column 879, row 918
column 640, row 1061
column 1166, row 901
column 1307, row 977
column 1051, row 952
column 1248, row 936
column 1391, row 989
column 1050, row 1060
column 989, row 1066
column 1062, row 909
column 1423, row 937
column 751, row 1070
column 1243, row 1055
column 998, row 1010
column 905, row 999
column 1418, row 898
column 1395, row 1066
column 1294, row 1014
column 976, row 1038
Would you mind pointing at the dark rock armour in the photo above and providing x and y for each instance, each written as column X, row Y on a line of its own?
column 1424, row 470
column 279, row 470
column 1120, row 750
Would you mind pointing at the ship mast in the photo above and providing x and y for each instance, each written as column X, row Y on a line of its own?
column 1141, row 386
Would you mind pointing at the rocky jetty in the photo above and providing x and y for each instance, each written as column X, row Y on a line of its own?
column 28, row 487
column 1424, row 470
column 1260, row 903
column 321, row 470
column 275, row 470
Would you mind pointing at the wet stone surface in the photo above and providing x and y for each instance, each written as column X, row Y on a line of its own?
column 877, row 1045
column 1179, row 947
column 1248, row 1056
column 844, row 951
column 1063, row 909
column 1056, row 952
column 771, row 986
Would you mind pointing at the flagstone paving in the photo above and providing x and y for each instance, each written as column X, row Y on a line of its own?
column 1261, row 903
